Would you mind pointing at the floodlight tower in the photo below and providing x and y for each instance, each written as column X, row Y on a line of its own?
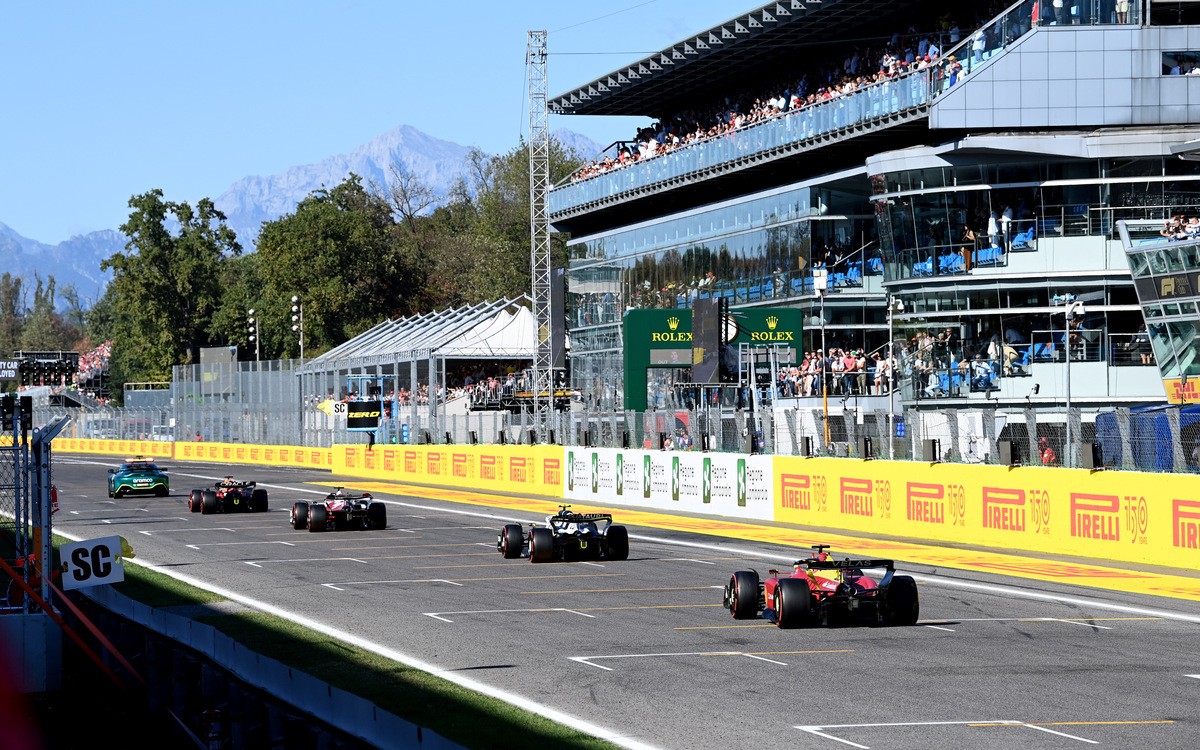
column 539, row 223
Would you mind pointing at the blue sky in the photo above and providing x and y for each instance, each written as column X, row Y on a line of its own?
column 104, row 100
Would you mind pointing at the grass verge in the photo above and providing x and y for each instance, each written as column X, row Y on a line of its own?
column 463, row 716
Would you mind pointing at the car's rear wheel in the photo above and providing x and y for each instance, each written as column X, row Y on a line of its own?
column 793, row 602
column 511, row 541
column 541, row 545
column 258, row 500
column 162, row 492
column 299, row 515
column 376, row 516
column 118, row 493
column 317, row 515
column 616, row 543
column 208, row 502
column 195, row 498
column 901, row 604
column 742, row 594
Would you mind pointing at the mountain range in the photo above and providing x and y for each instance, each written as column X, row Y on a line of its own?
column 250, row 201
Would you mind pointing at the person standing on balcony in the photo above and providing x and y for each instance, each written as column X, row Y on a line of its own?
column 1122, row 11
column 978, row 43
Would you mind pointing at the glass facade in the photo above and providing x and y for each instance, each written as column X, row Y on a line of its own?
column 1166, row 274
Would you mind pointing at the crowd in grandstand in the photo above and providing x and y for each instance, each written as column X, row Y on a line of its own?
column 862, row 66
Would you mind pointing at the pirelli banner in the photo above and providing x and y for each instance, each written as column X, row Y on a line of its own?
column 263, row 455
column 149, row 448
column 525, row 469
column 728, row 484
column 1126, row 516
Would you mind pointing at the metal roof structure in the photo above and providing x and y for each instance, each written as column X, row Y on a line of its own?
column 670, row 79
column 503, row 329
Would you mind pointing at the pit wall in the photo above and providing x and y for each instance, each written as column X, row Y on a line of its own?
column 1106, row 515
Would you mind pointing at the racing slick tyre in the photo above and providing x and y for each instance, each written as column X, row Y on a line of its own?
column 541, row 545
column 258, row 500
column 511, row 541
column 793, row 603
column 194, row 500
column 299, row 515
column 376, row 516
column 616, row 543
column 741, row 595
column 317, row 515
column 163, row 492
column 208, row 502
column 901, row 605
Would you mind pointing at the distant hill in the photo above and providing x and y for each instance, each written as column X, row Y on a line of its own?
column 252, row 200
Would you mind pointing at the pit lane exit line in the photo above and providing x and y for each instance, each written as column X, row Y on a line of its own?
column 820, row 730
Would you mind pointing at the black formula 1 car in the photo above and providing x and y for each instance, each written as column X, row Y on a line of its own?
column 824, row 591
column 340, row 510
column 228, row 496
column 566, row 536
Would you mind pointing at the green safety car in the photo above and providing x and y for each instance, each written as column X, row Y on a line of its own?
column 138, row 476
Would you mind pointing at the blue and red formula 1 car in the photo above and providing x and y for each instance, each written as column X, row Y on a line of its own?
column 824, row 591
column 566, row 536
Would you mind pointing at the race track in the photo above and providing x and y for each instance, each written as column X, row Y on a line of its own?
column 643, row 649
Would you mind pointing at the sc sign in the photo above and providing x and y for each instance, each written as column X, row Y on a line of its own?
column 91, row 563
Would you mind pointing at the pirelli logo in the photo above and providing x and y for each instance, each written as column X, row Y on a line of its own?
column 412, row 464
column 433, row 464
column 518, row 470
column 1096, row 517
column 352, row 458
column 1003, row 509
column 1185, row 524
column 284, row 455
column 254, row 454
column 240, row 453
column 856, row 497
column 795, row 491
column 389, row 459
column 926, row 503
column 369, row 459
column 552, row 471
column 488, row 468
column 459, row 465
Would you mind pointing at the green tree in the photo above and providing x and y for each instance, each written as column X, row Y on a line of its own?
column 12, row 313
column 166, row 285
column 43, row 328
column 338, row 252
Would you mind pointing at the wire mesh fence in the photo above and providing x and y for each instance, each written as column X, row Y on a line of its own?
column 262, row 403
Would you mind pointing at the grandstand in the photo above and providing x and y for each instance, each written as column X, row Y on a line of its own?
column 956, row 205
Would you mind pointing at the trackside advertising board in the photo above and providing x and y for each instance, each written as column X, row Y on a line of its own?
column 267, row 455
column 725, row 484
column 1126, row 516
column 148, row 448
column 532, row 470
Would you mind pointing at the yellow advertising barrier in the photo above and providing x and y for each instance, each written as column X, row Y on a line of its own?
column 149, row 448
column 535, row 469
column 1125, row 516
column 268, row 455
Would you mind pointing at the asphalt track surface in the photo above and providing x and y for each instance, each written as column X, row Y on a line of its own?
column 640, row 651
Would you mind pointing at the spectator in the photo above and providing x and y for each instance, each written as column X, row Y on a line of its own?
column 1049, row 457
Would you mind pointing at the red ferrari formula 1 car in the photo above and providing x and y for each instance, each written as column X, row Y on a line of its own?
column 228, row 496
column 824, row 591
column 340, row 510
column 566, row 536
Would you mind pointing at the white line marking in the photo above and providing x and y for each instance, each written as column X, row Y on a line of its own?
column 437, row 615
column 232, row 544
column 584, row 660
column 761, row 658
column 594, row 565
column 582, row 614
column 691, row 559
column 261, row 563
column 817, row 731
column 1061, row 734
column 1074, row 622
column 939, row 627
column 185, row 530
column 1193, row 676
column 401, row 580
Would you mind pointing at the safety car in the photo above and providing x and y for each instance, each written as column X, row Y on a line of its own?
column 228, row 496
column 825, row 591
column 340, row 510
column 566, row 536
column 138, row 476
